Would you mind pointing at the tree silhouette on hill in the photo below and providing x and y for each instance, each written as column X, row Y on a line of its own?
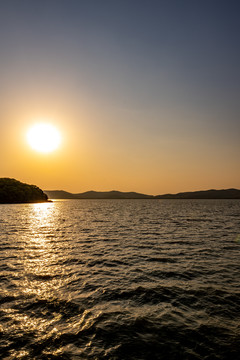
column 14, row 191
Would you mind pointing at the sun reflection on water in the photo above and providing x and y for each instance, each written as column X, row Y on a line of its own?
column 42, row 271
column 38, row 278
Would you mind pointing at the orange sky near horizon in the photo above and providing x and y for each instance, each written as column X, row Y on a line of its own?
column 94, row 158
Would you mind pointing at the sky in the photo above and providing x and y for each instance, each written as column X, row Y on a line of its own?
column 145, row 93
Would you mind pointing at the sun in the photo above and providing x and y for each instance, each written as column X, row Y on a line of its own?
column 44, row 137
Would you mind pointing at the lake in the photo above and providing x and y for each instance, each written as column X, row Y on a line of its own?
column 120, row 279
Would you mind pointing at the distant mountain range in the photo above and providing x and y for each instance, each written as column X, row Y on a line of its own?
column 60, row 194
column 205, row 194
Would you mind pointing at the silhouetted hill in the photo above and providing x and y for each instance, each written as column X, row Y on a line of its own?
column 112, row 195
column 59, row 194
column 206, row 194
column 14, row 191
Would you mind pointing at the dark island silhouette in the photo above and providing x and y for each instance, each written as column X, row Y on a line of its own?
column 13, row 191
column 206, row 194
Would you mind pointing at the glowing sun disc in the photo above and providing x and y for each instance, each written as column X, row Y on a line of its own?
column 43, row 137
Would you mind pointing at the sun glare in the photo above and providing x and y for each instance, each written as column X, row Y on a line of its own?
column 43, row 137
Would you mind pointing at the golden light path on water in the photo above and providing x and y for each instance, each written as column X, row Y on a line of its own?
column 44, row 279
column 40, row 253
column 37, row 256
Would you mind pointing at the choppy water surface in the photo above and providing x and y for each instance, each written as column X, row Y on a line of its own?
column 120, row 279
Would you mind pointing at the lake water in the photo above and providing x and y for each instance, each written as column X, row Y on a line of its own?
column 120, row 279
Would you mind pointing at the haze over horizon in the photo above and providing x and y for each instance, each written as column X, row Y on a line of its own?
column 145, row 94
